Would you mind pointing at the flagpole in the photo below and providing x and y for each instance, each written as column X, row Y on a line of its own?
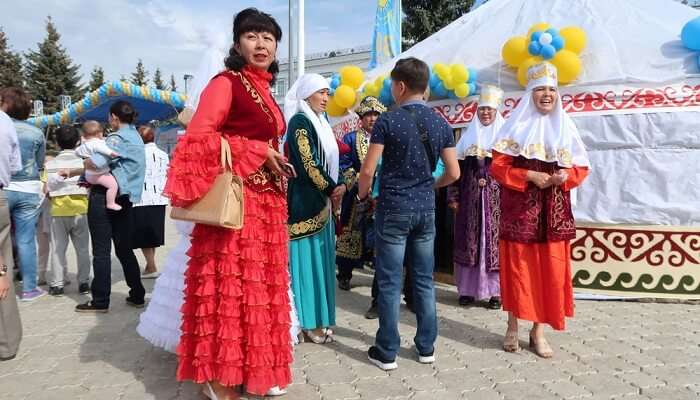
column 300, row 42
column 290, row 58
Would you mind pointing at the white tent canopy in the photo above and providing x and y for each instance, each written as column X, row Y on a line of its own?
column 645, row 156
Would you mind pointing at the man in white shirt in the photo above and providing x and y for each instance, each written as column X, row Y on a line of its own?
column 10, row 161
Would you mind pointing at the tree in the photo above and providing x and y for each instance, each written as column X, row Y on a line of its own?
column 158, row 80
column 173, row 85
column 97, row 78
column 140, row 76
column 50, row 71
column 425, row 17
column 10, row 65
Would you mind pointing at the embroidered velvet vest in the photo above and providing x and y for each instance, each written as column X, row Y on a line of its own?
column 536, row 215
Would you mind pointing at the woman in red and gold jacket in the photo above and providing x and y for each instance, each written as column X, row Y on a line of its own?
column 236, row 311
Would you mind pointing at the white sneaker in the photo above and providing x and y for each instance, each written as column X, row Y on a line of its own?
column 376, row 359
column 150, row 275
column 426, row 358
column 276, row 391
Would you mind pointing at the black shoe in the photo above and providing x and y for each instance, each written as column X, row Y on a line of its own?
column 427, row 358
column 89, row 307
column 56, row 291
column 410, row 307
column 344, row 284
column 135, row 304
column 381, row 362
column 84, row 288
column 465, row 300
column 372, row 313
column 495, row 303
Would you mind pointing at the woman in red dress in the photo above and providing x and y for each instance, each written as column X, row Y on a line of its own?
column 236, row 311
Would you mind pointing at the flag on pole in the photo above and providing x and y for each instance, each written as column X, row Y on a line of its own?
column 386, row 41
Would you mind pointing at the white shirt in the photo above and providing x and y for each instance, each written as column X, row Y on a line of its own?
column 57, row 185
column 157, row 162
column 10, row 155
column 92, row 146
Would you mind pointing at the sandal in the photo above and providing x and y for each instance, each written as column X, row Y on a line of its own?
column 318, row 339
column 495, row 303
column 541, row 347
column 511, row 342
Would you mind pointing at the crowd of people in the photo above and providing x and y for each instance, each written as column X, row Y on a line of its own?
column 233, row 302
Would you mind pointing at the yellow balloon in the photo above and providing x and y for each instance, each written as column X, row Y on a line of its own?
column 540, row 26
column 379, row 82
column 450, row 82
column 352, row 76
column 344, row 96
column 459, row 73
column 514, row 51
column 440, row 69
column 462, row 90
column 568, row 65
column 334, row 110
column 574, row 38
column 524, row 66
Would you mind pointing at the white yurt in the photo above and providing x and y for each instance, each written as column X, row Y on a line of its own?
column 637, row 106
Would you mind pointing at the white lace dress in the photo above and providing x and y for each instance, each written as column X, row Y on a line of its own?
column 160, row 323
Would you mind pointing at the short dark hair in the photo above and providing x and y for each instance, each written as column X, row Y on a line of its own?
column 124, row 111
column 67, row 137
column 147, row 132
column 17, row 101
column 252, row 20
column 413, row 72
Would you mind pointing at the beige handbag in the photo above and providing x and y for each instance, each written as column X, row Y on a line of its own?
column 223, row 205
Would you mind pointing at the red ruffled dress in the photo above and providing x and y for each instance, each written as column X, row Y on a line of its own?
column 236, row 311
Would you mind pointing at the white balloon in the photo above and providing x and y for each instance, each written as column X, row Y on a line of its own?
column 546, row 38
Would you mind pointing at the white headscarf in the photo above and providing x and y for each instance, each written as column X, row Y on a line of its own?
column 552, row 137
column 295, row 102
column 212, row 62
column 478, row 139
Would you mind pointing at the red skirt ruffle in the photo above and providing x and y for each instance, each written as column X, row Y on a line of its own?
column 235, row 315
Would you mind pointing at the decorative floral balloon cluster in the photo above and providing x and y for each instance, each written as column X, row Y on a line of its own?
column 344, row 85
column 543, row 42
column 690, row 35
column 455, row 81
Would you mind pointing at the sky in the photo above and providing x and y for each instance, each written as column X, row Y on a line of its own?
column 170, row 34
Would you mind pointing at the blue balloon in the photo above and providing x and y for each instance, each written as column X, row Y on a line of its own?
column 451, row 94
column 473, row 74
column 548, row 51
column 552, row 32
column 434, row 80
column 387, row 83
column 690, row 35
column 535, row 37
column 335, row 81
column 558, row 42
column 472, row 89
column 385, row 98
column 440, row 90
column 535, row 48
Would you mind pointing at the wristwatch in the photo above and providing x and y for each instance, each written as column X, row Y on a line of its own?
column 3, row 270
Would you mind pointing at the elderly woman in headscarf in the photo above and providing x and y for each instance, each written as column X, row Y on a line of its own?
column 312, row 197
column 475, row 199
column 538, row 157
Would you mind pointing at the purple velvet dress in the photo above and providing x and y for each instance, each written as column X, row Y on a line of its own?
column 476, row 230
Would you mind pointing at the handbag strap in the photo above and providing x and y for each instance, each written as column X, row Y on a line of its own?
column 226, row 159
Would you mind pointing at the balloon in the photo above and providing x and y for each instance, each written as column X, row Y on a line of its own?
column 441, row 70
column 535, row 37
column 514, row 51
column 334, row 110
column 459, row 73
column 568, row 65
column 540, row 26
column 535, row 48
column 472, row 88
column 545, row 38
column 379, row 82
column 558, row 42
column 690, row 34
column 548, row 51
column 462, row 90
column 522, row 69
column 335, row 81
column 473, row 74
column 387, row 83
column 450, row 83
column 386, row 98
column 352, row 76
column 344, row 96
column 574, row 38
column 434, row 80
column 451, row 94
column 440, row 91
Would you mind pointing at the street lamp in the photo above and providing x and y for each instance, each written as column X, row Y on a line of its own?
column 186, row 78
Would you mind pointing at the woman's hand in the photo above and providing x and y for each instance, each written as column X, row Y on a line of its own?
column 540, row 179
column 337, row 196
column 88, row 164
column 453, row 205
column 5, row 283
column 559, row 178
column 482, row 182
column 275, row 161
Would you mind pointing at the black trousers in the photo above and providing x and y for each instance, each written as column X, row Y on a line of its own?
column 107, row 226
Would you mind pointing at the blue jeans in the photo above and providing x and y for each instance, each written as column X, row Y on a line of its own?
column 24, row 210
column 412, row 234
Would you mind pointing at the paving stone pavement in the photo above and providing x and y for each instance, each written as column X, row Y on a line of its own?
column 611, row 350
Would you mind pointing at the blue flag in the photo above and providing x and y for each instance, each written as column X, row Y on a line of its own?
column 386, row 41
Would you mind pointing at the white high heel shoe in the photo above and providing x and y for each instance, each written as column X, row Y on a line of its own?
column 209, row 392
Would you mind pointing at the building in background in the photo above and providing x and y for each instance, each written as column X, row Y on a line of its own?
column 326, row 64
